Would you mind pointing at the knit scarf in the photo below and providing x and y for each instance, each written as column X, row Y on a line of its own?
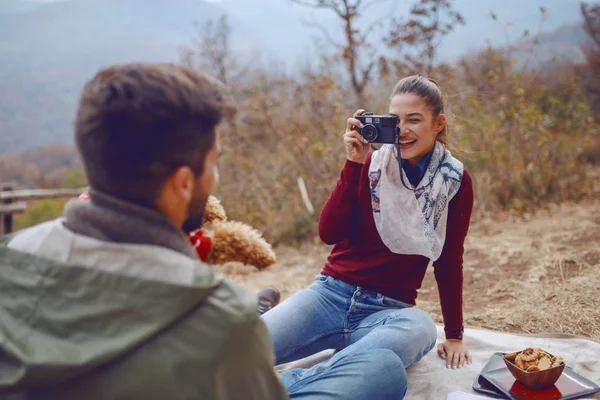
column 201, row 242
column 412, row 220
column 108, row 218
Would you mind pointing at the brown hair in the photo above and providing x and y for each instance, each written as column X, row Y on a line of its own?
column 137, row 123
column 429, row 90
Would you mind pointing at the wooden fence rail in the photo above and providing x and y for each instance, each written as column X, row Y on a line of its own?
column 15, row 201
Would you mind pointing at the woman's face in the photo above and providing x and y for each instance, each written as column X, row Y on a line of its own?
column 418, row 127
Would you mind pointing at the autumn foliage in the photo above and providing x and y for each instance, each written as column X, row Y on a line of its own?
column 526, row 135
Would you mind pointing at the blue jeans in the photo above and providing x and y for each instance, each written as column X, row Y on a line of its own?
column 377, row 338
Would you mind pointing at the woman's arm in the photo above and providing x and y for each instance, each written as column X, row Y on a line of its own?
column 339, row 211
column 449, row 267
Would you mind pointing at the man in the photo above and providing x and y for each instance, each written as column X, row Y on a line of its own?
column 111, row 301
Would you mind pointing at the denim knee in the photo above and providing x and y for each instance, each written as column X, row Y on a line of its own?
column 386, row 373
column 424, row 327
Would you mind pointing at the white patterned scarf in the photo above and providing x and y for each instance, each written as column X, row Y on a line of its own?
column 412, row 220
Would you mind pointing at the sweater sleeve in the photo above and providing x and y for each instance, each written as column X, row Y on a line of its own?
column 339, row 211
column 449, row 267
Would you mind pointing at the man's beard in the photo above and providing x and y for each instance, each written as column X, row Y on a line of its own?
column 195, row 214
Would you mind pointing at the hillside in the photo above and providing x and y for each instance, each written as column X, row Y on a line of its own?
column 48, row 52
column 48, row 49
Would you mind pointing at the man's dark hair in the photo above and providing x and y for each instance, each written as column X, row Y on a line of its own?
column 137, row 123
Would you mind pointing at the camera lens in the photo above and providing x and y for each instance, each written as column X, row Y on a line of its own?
column 369, row 132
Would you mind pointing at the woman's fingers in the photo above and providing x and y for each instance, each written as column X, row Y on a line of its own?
column 449, row 359
column 441, row 351
column 452, row 361
column 353, row 123
column 355, row 135
column 357, row 147
column 357, row 143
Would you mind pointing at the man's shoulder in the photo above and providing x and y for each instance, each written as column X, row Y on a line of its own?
column 227, row 302
column 226, row 326
column 233, row 304
column 29, row 239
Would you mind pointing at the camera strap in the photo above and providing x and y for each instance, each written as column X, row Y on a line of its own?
column 399, row 159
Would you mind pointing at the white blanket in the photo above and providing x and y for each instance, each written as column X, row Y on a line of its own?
column 429, row 379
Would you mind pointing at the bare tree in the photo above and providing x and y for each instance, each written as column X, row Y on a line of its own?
column 591, row 18
column 429, row 22
column 355, row 51
column 211, row 51
column 591, row 24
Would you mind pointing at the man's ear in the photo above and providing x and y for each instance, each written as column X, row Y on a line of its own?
column 181, row 184
column 176, row 194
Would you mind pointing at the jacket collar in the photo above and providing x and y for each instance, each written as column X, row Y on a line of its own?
column 108, row 218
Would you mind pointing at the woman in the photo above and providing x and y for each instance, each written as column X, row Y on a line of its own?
column 389, row 215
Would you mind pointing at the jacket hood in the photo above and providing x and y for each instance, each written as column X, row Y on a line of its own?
column 59, row 319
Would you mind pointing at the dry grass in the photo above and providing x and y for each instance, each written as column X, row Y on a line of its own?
column 549, row 281
column 522, row 135
column 534, row 273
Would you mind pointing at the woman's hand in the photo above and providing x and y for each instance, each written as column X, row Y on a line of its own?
column 455, row 352
column 356, row 146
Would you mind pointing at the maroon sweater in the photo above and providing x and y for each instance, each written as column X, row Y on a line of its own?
column 360, row 258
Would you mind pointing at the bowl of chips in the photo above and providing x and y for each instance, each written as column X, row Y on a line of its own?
column 534, row 368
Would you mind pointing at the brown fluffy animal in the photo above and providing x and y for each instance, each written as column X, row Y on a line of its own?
column 234, row 241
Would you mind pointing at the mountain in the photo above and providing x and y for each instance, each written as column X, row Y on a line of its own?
column 74, row 34
column 48, row 49
column 561, row 44
column 513, row 17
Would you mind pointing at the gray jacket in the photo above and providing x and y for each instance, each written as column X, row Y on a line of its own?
column 83, row 318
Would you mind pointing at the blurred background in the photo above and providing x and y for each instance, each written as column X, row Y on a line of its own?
column 520, row 77
column 522, row 85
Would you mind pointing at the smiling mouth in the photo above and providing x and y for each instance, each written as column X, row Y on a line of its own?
column 409, row 141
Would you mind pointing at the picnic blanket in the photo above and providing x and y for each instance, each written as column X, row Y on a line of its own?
column 429, row 379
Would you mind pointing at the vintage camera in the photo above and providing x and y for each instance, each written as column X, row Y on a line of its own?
column 379, row 128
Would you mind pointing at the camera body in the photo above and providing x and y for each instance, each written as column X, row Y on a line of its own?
column 379, row 128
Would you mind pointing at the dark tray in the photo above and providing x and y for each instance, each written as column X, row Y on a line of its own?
column 570, row 385
column 482, row 385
